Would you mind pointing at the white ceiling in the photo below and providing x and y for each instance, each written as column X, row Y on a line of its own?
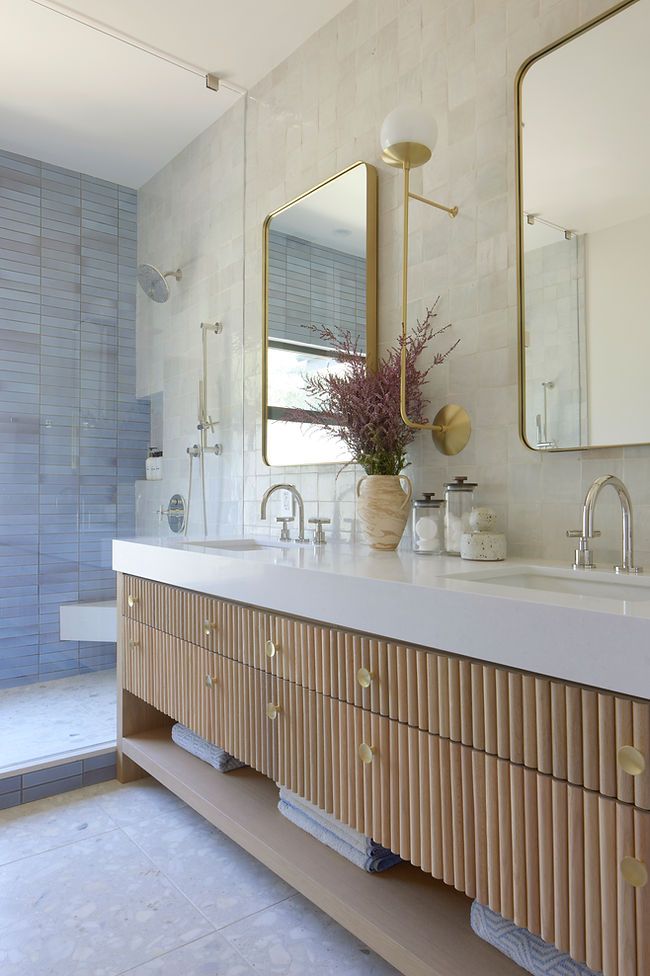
column 586, row 138
column 334, row 215
column 77, row 98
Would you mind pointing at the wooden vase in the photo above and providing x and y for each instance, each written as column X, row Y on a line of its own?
column 383, row 507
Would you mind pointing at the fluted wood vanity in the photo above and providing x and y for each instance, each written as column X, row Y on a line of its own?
column 507, row 786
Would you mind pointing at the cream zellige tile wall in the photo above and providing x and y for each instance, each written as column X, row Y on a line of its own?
column 314, row 114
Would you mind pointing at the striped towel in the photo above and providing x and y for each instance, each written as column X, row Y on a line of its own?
column 206, row 751
column 351, row 844
column 527, row 950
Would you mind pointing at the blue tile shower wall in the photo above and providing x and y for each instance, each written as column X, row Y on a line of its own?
column 311, row 283
column 73, row 436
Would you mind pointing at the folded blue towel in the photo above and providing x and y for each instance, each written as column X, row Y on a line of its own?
column 527, row 950
column 206, row 751
column 355, row 847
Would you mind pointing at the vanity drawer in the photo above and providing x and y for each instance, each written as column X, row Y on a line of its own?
column 318, row 757
column 249, row 725
column 569, row 732
column 174, row 676
column 206, row 621
column 544, row 853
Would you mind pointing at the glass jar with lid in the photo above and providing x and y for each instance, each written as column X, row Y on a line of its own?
column 429, row 524
column 459, row 498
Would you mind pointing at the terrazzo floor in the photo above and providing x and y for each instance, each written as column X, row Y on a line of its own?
column 54, row 718
column 115, row 879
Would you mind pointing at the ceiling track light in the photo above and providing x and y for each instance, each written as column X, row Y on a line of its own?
column 212, row 81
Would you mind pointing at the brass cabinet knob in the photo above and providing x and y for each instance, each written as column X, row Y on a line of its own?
column 133, row 644
column 269, row 648
column 634, row 872
column 366, row 753
column 210, row 681
column 631, row 760
column 131, row 600
column 208, row 628
column 272, row 711
column 364, row 677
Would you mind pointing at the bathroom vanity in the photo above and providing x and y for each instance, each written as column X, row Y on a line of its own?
column 491, row 726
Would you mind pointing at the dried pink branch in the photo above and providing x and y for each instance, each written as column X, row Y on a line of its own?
column 362, row 408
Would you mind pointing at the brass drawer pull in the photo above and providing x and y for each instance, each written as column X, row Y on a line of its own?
column 133, row 644
column 269, row 648
column 131, row 600
column 272, row 711
column 210, row 681
column 634, row 872
column 631, row 760
column 208, row 628
column 366, row 753
column 364, row 677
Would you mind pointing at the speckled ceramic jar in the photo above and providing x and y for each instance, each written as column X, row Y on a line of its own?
column 481, row 542
column 383, row 507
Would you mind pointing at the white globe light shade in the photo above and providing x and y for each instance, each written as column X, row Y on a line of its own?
column 408, row 124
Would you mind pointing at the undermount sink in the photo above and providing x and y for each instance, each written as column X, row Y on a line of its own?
column 594, row 584
column 235, row 545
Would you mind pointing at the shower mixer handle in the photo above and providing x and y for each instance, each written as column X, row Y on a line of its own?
column 207, row 424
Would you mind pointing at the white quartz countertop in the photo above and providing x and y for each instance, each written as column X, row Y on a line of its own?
column 599, row 641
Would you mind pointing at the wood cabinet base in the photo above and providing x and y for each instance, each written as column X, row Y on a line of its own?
column 417, row 924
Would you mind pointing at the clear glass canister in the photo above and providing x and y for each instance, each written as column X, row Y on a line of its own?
column 429, row 524
column 459, row 498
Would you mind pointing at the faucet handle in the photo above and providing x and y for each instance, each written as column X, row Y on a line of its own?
column 284, row 534
column 577, row 534
column 584, row 557
column 319, row 535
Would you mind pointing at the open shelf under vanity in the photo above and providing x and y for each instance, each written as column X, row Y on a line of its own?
column 417, row 923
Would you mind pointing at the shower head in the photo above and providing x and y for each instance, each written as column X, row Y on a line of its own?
column 153, row 282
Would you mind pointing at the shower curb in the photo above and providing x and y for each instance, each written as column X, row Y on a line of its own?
column 59, row 777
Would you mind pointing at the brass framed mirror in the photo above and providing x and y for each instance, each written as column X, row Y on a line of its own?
column 320, row 269
column 583, row 241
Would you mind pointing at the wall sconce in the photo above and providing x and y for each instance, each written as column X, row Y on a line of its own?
column 408, row 137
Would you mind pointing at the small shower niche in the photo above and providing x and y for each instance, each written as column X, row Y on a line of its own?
column 151, row 495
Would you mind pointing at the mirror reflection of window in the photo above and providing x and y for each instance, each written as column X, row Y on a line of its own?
column 317, row 260
column 585, row 240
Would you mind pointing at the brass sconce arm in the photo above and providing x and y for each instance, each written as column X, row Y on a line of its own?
column 451, row 428
column 407, row 137
column 452, row 211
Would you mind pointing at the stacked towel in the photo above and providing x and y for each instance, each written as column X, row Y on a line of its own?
column 527, row 950
column 360, row 850
column 209, row 753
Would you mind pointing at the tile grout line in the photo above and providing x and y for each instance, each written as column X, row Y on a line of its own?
column 131, row 969
column 220, row 930
column 58, row 847
column 170, row 880
column 224, row 928
column 224, row 931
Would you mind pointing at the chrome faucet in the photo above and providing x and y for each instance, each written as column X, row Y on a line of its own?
column 584, row 556
column 299, row 502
